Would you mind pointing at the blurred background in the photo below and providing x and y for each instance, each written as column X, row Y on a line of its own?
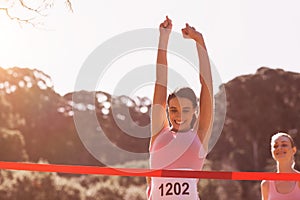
column 43, row 45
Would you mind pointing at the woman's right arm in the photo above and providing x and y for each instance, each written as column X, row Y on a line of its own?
column 158, row 112
column 159, row 119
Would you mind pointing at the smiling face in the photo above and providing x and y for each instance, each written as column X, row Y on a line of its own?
column 181, row 112
column 282, row 149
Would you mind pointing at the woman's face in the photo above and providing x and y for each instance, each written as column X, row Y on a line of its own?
column 181, row 113
column 282, row 149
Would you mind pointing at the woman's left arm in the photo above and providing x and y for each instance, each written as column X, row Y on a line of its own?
column 205, row 119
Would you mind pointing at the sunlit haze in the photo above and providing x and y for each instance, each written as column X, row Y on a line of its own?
column 241, row 36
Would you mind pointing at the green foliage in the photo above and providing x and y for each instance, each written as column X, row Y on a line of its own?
column 16, row 185
column 27, row 185
column 38, row 123
column 105, row 191
column 136, row 193
column 220, row 189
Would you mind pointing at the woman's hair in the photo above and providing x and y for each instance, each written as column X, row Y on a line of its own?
column 277, row 135
column 188, row 93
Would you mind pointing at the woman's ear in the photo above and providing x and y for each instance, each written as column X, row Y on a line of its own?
column 294, row 150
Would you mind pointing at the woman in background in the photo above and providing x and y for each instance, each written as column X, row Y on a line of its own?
column 283, row 150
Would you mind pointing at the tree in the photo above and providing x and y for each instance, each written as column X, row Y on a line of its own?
column 29, row 11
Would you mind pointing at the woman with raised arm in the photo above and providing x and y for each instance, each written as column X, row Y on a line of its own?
column 283, row 150
column 180, row 136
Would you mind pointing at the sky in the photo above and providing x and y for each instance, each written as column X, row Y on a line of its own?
column 241, row 36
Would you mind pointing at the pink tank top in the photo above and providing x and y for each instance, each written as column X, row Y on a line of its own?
column 172, row 150
column 275, row 195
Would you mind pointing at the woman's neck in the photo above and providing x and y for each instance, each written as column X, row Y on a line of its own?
column 285, row 168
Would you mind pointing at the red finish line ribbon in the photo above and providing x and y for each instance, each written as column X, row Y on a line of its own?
column 74, row 169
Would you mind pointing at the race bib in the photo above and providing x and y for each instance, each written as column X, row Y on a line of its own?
column 174, row 188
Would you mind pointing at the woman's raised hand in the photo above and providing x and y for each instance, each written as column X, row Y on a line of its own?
column 166, row 27
column 190, row 32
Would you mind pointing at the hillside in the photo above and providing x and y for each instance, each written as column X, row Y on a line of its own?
column 95, row 128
